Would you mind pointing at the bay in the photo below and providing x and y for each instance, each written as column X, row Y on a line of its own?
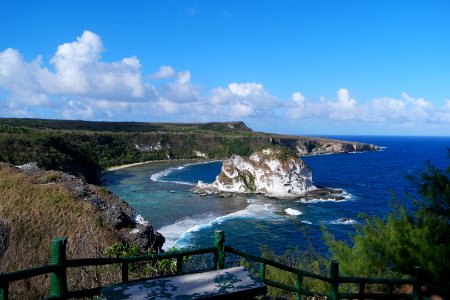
column 159, row 191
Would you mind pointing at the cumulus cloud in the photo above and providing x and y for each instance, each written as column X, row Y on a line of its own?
column 243, row 99
column 77, row 110
column 75, row 83
column 403, row 110
column 298, row 98
column 21, row 79
column 181, row 90
column 345, row 106
column 164, row 72
column 297, row 110
column 75, row 70
column 79, row 71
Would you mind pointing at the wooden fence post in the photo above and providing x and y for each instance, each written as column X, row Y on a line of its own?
column 4, row 291
column 124, row 271
column 299, row 286
column 219, row 240
column 262, row 271
column 417, row 286
column 58, row 279
column 179, row 265
column 334, row 276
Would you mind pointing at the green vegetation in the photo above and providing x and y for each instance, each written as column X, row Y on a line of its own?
column 307, row 260
column 248, row 179
column 146, row 268
column 392, row 246
column 86, row 148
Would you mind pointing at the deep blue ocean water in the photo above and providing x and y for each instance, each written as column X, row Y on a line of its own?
column 159, row 191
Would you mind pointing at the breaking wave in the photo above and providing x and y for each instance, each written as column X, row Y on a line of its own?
column 180, row 233
column 343, row 221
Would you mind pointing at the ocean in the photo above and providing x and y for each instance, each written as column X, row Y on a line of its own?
column 159, row 191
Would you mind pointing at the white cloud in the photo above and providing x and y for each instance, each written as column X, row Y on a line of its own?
column 181, row 90
column 243, row 99
column 77, row 71
column 385, row 109
column 247, row 89
column 298, row 98
column 164, row 72
column 77, row 110
column 404, row 110
column 344, row 108
column 168, row 106
column 443, row 115
column 76, row 83
column 110, row 108
column 296, row 111
column 20, row 78
column 241, row 110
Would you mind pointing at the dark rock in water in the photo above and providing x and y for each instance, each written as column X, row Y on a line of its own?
column 324, row 194
column 146, row 237
column 318, row 194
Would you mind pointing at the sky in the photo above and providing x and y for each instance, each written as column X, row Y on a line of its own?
column 350, row 67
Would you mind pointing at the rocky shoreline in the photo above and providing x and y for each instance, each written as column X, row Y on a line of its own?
column 325, row 194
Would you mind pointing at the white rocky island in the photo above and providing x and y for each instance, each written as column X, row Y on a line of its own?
column 275, row 172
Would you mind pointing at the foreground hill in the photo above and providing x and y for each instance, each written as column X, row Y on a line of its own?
column 38, row 205
column 85, row 148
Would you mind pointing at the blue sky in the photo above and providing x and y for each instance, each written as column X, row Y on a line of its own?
column 299, row 67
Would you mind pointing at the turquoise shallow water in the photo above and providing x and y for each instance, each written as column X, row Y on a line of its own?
column 159, row 191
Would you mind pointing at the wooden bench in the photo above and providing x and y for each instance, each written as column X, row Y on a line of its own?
column 229, row 283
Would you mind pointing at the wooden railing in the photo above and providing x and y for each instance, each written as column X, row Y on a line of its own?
column 59, row 265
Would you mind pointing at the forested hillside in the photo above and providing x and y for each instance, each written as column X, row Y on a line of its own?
column 85, row 148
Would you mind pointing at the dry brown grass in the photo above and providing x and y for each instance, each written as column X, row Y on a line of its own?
column 38, row 209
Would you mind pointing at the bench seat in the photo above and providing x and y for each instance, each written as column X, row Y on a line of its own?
column 229, row 283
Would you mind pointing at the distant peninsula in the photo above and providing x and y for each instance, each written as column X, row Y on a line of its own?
column 85, row 148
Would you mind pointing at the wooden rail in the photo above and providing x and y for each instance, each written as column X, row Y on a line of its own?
column 59, row 264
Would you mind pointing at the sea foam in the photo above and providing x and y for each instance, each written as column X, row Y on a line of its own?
column 180, row 233
column 343, row 221
column 293, row 212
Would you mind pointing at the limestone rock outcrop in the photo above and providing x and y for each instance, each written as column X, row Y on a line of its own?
column 274, row 172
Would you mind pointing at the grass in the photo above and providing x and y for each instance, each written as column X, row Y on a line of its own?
column 38, row 209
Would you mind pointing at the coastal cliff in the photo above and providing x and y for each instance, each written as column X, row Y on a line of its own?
column 38, row 205
column 318, row 145
column 274, row 172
